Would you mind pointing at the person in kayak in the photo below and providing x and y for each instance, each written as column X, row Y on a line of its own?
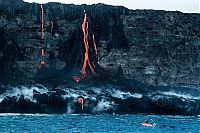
column 147, row 124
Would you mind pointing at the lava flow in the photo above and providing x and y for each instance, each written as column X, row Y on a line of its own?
column 95, row 47
column 42, row 11
column 85, row 39
column 81, row 101
column 42, row 53
column 86, row 55
column 42, row 63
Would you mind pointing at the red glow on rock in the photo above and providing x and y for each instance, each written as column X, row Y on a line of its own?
column 42, row 63
column 42, row 52
column 77, row 79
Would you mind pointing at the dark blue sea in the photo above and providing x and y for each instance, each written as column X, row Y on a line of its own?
column 28, row 123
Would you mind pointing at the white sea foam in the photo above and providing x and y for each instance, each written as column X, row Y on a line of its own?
column 103, row 105
column 124, row 95
column 25, row 91
column 70, row 109
column 18, row 114
column 71, row 93
column 172, row 93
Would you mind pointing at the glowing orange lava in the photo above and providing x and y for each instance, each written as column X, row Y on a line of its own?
column 81, row 101
column 77, row 79
column 85, row 39
column 42, row 11
column 42, row 52
column 86, row 62
column 42, row 62
column 95, row 47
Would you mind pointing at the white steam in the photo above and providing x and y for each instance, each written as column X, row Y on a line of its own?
column 103, row 105
column 25, row 91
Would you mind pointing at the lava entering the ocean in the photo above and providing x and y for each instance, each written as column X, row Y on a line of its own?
column 81, row 101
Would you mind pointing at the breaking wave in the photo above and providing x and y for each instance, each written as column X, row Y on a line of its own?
column 179, row 95
column 27, row 92
column 103, row 105
column 124, row 95
column 103, row 99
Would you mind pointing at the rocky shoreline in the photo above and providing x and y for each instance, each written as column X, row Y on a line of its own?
column 140, row 61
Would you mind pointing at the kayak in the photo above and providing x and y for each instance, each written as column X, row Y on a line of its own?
column 147, row 124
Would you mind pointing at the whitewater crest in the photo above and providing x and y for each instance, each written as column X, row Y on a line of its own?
column 27, row 92
column 102, row 99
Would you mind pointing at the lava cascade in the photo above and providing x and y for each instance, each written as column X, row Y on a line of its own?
column 95, row 47
column 42, row 13
column 86, row 43
column 86, row 62
column 42, row 52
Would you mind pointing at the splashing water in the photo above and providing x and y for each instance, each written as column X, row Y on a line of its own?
column 103, row 105
column 25, row 91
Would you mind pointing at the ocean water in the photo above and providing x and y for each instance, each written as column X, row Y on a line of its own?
column 28, row 123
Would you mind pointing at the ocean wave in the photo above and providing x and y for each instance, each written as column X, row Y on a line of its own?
column 179, row 95
column 23, row 114
column 27, row 92
column 124, row 95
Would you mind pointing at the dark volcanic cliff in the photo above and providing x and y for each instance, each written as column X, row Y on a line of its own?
column 155, row 47
column 149, row 61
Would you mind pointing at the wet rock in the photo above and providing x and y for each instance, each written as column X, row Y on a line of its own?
column 60, row 65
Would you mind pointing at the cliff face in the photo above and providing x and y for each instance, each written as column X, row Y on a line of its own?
column 154, row 47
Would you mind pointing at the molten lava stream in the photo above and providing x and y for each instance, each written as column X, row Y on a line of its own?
column 42, row 53
column 86, row 55
column 81, row 101
column 85, row 39
column 42, row 63
column 42, row 11
column 95, row 47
